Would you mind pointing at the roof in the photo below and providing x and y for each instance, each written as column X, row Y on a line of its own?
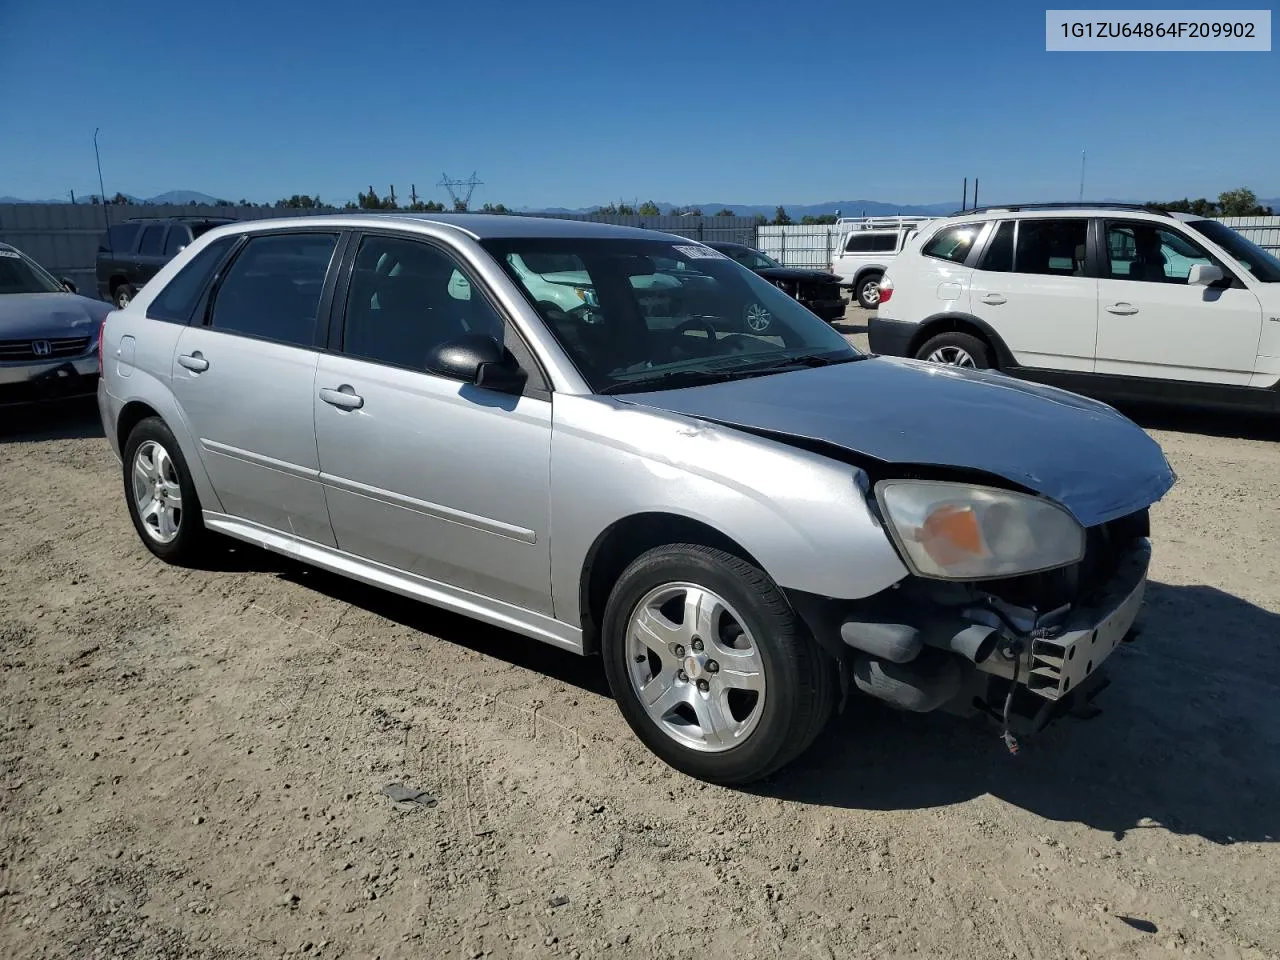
column 480, row 226
column 1004, row 210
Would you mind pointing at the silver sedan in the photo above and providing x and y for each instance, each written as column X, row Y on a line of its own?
column 747, row 526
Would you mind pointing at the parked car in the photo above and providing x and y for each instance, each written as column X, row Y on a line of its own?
column 866, row 247
column 818, row 290
column 48, row 333
column 132, row 252
column 743, row 525
column 1111, row 300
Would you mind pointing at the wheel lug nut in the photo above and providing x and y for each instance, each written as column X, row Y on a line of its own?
column 697, row 644
column 712, row 666
column 703, row 686
column 678, row 651
column 684, row 677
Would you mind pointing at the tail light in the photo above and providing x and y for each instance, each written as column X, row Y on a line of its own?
column 886, row 289
column 102, row 329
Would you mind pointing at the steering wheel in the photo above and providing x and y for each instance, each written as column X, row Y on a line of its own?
column 697, row 323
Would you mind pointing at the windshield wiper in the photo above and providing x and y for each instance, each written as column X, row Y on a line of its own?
column 672, row 378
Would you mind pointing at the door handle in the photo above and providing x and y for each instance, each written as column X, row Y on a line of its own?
column 1122, row 308
column 994, row 299
column 344, row 397
column 195, row 362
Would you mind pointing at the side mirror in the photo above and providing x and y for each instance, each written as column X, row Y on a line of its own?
column 1204, row 274
column 478, row 359
column 68, row 285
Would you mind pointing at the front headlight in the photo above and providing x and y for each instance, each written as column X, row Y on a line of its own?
column 954, row 531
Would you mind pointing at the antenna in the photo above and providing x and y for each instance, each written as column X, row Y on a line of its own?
column 1082, row 176
column 461, row 197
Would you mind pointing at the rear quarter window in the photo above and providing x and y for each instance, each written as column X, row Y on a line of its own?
column 871, row 242
column 177, row 301
column 952, row 243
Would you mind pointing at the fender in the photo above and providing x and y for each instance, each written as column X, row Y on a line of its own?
column 958, row 320
column 801, row 515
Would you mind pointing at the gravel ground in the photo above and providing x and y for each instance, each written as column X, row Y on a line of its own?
column 191, row 766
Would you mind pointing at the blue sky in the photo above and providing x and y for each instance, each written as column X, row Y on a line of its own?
column 567, row 103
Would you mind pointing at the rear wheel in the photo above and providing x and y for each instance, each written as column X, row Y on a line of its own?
column 162, row 500
column 711, row 667
column 957, row 350
column 868, row 291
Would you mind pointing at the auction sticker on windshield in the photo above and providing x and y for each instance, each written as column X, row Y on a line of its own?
column 701, row 253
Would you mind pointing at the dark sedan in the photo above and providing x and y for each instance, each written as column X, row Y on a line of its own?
column 817, row 290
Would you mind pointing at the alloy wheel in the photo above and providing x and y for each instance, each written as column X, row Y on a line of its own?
column 695, row 667
column 157, row 493
column 952, row 356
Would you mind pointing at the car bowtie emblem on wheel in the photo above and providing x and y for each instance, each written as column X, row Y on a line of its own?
column 41, row 348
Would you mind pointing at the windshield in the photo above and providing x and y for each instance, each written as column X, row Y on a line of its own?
column 1264, row 266
column 21, row 274
column 649, row 314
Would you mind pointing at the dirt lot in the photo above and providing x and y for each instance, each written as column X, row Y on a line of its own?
column 191, row 766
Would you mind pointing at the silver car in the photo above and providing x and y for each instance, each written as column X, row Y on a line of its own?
column 747, row 526
column 48, row 334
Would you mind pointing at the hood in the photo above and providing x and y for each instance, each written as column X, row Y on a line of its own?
column 48, row 316
column 1084, row 455
column 797, row 273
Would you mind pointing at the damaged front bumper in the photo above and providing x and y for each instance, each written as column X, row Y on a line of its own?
column 925, row 647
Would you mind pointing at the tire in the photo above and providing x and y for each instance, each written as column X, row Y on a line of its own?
column 964, row 349
column 868, row 291
column 123, row 295
column 184, row 540
column 762, row 641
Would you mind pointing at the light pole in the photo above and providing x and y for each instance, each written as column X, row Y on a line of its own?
column 102, row 193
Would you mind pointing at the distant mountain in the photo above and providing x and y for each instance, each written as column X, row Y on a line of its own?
column 185, row 197
column 846, row 208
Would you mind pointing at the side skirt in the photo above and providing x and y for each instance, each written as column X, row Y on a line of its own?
column 507, row 616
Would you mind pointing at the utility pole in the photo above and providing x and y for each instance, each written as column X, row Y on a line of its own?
column 975, row 193
column 964, row 202
column 413, row 194
column 1082, row 176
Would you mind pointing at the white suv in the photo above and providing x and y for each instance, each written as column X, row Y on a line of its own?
column 867, row 246
column 1111, row 300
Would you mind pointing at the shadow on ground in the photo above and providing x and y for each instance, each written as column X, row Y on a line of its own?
column 1188, row 740
column 1244, row 426
column 58, row 420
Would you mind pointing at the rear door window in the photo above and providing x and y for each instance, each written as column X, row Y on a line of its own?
column 152, row 243
column 998, row 257
column 272, row 289
column 1052, row 247
column 179, row 237
column 119, row 239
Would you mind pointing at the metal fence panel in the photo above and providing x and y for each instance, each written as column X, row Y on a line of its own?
column 63, row 237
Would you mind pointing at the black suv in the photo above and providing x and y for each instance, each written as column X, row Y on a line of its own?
column 818, row 290
column 132, row 252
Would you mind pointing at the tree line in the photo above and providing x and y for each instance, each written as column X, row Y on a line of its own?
column 1241, row 202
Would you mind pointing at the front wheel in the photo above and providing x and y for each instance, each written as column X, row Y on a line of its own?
column 711, row 667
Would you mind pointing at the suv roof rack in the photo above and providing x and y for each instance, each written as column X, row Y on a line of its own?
column 1015, row 207
column 874, row 223
column 180, row 216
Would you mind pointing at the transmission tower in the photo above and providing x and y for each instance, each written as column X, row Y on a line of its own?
column 460, row 190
